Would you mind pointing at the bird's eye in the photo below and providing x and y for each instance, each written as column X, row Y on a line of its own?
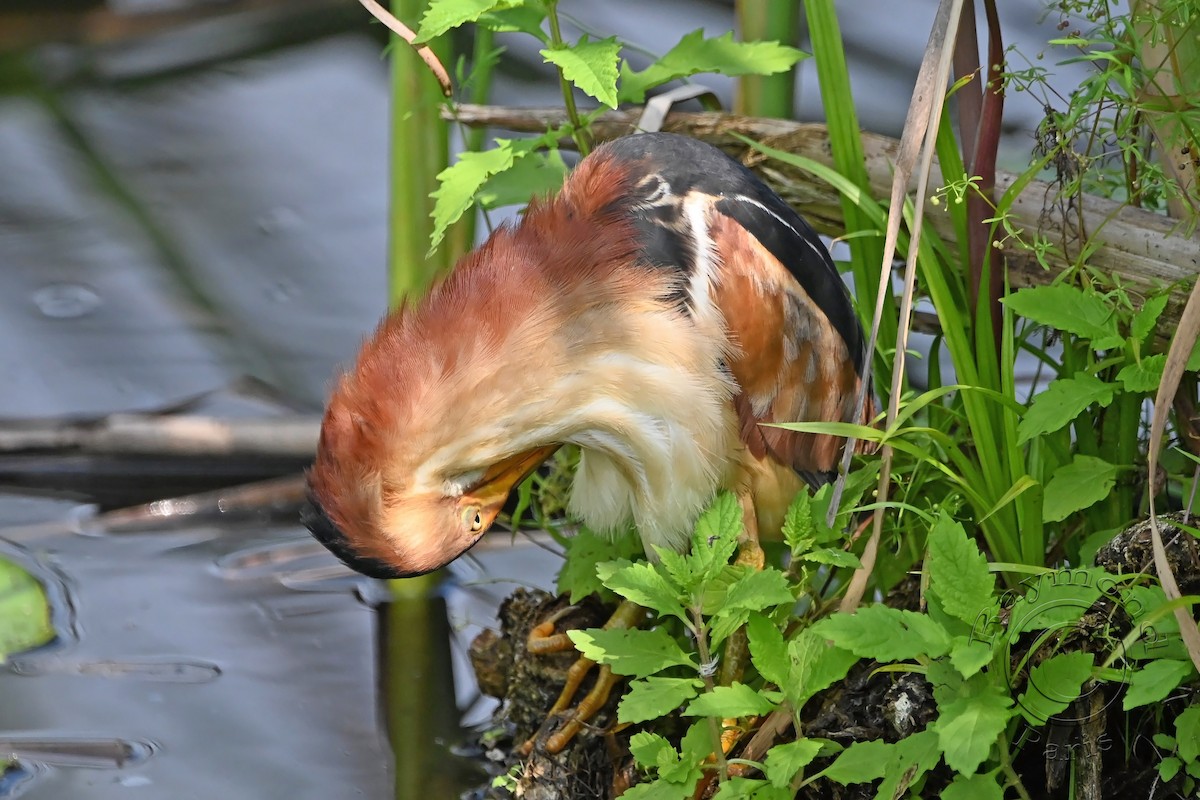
column 473, row 517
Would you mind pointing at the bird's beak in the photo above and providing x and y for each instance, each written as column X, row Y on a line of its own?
column 503, row 476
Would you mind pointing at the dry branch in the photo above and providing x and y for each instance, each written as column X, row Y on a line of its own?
column 1141, row 249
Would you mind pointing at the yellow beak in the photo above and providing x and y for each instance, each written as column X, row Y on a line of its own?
column 502, row 477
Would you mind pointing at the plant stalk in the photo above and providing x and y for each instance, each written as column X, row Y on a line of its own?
column 578, row 131
column 767, row 95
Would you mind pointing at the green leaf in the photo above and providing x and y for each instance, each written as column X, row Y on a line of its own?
column 959, row 572
column 1084, row 482
column 799, row 530
column 1145, row 375
column 1056, row 600
column 524, row 18
column 458, row 183
column 910, row 758
column 591, row 66
column 630, row 652
column 1145, row 320
column 973, row 787
column 658, row 790
column 695, row 54
column 969, row 724
column 1169, row 767
column 784, row 761
column 1071, row 309
column 651, row 698
column 643, row 584
column 758, row 590
column 1063, row 401
column 740, row 789
column 585, row 550
column 715, row 538
column 535, row 175
column 651, row 750
column 861, row 762
column 1054, row 684
column 969, row 655
column 24, row 611
column 885, row 634
column 1154, row 681
column 735, row 700
column 832, row 556
column 768, row 650
column 815, row 665
column 443, row 15
column 1187, row 732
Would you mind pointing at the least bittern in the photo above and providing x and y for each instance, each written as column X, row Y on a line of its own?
column 654, row 313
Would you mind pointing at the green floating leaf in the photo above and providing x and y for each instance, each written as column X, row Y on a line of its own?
column 959, row 572
column 885, row 634
column 1063, row 401
column 973, row 787
column 784, row 761
column 768, row 650
column 591, row 66
column 1054, row 684
column 1081, row 484
column 443, row 15
column 815, row 665
column 735, row 700
column 1154, row 681
column 1071, row 309
column 630, row 652
column 24, row 611
column 695, row 54
column 651, row 698
column 1145, row 375
column 643, row 584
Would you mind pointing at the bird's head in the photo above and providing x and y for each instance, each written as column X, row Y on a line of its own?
column 456, row 399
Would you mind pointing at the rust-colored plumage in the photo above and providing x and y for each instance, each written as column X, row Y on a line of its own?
column 654, row 313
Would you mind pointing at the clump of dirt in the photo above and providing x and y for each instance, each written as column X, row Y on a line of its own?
column 1131, row 551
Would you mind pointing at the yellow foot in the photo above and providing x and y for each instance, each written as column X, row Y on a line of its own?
column 543, row 640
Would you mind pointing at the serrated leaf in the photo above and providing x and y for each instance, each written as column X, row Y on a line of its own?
column 1056, row 600
column 784, row 761
column 969, row 725
column 650, row 749
column 861, row 762
column 641, row 583
column 1144, row 375
column 959, row 572
column 735, row 700
column 1054, row 684
column 630, row 652
column 458, row 183
column 1071, row 309
column 716, row 535
column 1154, row 681
column 1187, row 733
column 910, row 758
column 737, row 788
column 591, row 66
column 815, row 665
column 586, row 550
column 799, row 531
column 768, row 650
column 651, row 698
column 658, row 790
column 443, row 15
column 885, row 634
column 524, row 18
column 973, row 787
column 752, row 590
column 1145, row 320
column 1081, row 484
column 968, row 656
column 833, row 557
column 1061, row 402
column 695, row 54
column 535, row 175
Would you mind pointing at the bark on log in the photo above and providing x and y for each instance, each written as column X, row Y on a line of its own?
column 1141, row 249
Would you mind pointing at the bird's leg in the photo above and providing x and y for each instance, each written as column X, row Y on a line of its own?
column 542, row 640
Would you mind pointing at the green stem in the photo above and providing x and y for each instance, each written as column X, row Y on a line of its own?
column 578, row 132
column 714, row 724
column 767, row 95
column 1014, row 780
